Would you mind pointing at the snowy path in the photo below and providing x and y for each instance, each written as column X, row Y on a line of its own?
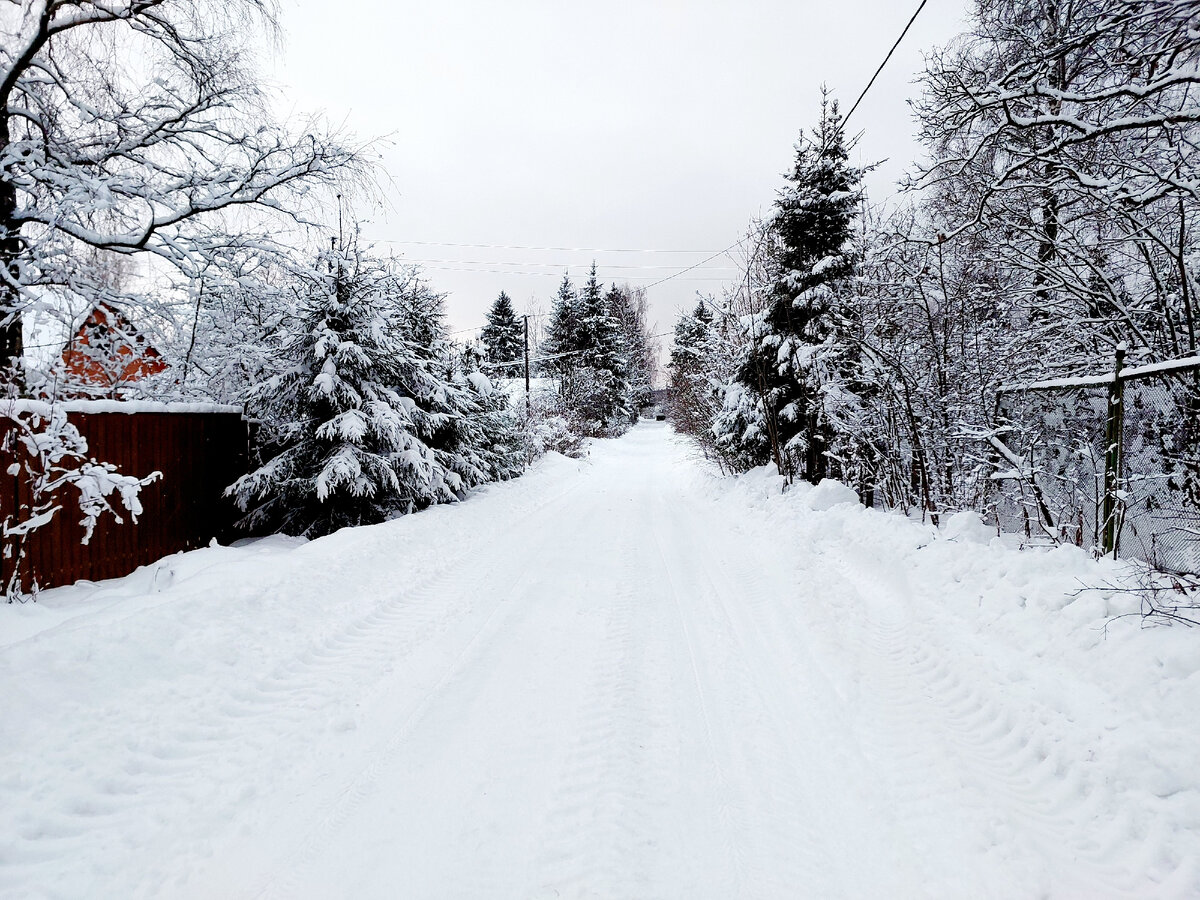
column 593, row 682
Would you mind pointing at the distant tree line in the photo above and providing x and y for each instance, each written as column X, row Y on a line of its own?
column 598, row 351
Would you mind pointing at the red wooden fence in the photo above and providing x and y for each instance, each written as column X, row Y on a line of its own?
column 199, row 450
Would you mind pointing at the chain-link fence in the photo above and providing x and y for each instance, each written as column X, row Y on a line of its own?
column 1109, row 461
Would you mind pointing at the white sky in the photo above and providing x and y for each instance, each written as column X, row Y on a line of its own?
column 655, row 125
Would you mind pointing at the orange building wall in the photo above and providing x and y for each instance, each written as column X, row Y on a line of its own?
column 129, row 358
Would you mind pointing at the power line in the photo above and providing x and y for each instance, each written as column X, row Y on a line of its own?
column 538, row 265
column 553, row 274
column 920, row 7
column 696, row 266
column 484, row 325
column 539, row 249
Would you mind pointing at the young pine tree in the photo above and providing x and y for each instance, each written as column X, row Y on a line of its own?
column 504, row 334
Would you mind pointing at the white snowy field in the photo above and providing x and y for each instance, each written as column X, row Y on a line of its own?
column 619, row 677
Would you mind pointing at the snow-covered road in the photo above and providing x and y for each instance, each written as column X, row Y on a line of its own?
column 611, row 678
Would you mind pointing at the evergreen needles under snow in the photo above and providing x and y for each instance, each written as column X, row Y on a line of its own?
column 366, row 414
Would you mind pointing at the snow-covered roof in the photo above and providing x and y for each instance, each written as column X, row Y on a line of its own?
column 127, row 407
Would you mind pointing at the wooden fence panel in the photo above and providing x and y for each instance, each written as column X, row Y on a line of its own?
column 198, row 454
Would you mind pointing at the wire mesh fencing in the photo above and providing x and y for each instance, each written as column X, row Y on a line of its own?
column 1108, row 461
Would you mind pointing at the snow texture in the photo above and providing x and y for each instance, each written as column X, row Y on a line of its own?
column 614, row 677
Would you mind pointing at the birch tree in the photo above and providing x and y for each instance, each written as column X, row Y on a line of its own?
column 127, row 126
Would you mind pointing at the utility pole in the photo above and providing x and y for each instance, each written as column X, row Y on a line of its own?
column 1114, row 432
column 527, row 413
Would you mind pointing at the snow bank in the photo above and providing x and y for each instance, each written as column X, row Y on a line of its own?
column 1112, row 704
column 827, row 495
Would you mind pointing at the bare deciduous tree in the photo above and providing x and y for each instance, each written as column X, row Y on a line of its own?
column 125, row 125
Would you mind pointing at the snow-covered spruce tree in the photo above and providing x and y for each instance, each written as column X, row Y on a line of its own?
column 488, row 430
column 691, row 388
column 355, row 404
column 797, row 331
column 557, row 353
column 743, row 429
column 469, row 425
column 504, row 334
column 607, row 400
column 629, row 308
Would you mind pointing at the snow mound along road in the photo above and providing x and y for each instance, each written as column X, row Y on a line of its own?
column 827, row 495
column 615, row 677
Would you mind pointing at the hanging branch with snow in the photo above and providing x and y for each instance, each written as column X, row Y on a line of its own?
column 50, row 456
column 125, row 125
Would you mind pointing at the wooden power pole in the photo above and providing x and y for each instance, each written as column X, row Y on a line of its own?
column 527, row 406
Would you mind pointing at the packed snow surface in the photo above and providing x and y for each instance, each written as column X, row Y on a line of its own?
column 619, row 677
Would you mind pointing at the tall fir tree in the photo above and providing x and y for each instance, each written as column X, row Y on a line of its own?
column 813, row 248
column 504, row 334
column 561, row 343
column 601, row 349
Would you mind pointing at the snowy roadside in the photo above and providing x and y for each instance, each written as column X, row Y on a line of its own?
column 1044, row 648
column 138, row 704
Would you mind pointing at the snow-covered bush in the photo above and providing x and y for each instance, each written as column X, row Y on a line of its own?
column 553, row 433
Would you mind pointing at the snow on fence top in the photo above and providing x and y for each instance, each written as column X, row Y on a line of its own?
column 1190, row 362
column 127, row 407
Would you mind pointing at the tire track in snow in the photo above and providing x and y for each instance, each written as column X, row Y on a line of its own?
column 737, row 871
column 819, row 843
column 458, row 582
column 596, row 817
column 946, row 734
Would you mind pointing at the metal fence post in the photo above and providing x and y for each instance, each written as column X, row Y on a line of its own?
column 1114, row 429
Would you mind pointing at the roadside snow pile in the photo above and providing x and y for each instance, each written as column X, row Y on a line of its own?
column 1000, row 629
column 967, row 525
column 828, row 494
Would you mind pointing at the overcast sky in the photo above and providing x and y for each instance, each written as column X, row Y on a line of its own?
column 645, row 126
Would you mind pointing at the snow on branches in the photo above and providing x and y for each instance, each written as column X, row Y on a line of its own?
column 50, row 457
column 368, row 412
column 125, row 126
